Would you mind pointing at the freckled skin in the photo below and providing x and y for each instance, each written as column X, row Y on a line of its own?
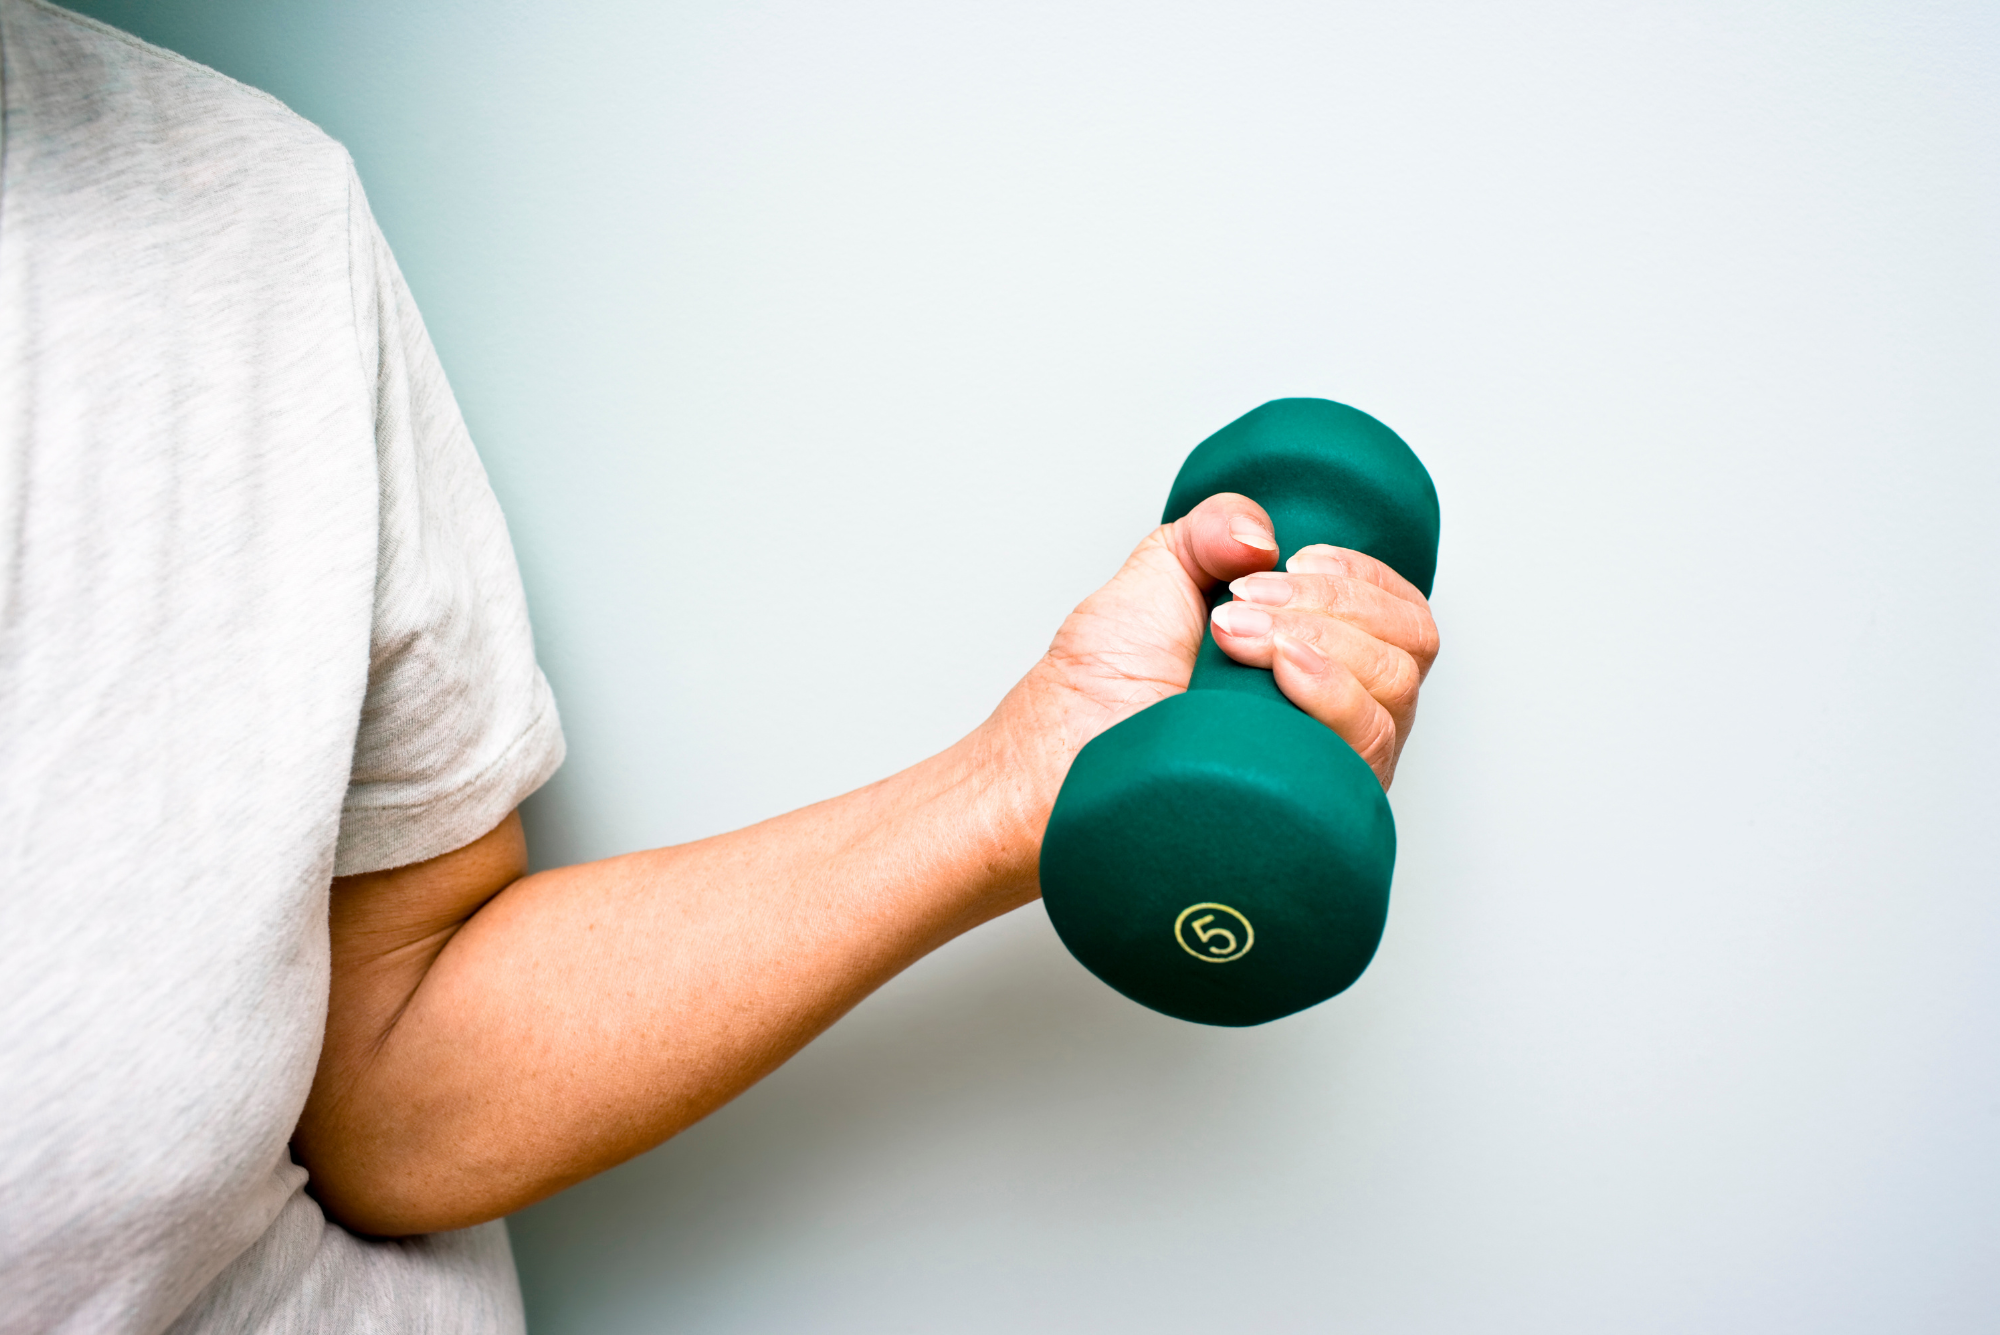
column 487, row 1046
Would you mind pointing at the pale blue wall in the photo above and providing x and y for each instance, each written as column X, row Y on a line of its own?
column 1687, row 1016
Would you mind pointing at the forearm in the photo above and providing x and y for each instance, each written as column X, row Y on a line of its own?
column 492, row 1038
column 585, row 1014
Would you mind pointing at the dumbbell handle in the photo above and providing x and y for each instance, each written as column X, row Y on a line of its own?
column 1379, row 501
column 1219, row 856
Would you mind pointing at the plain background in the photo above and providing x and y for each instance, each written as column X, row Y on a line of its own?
column 824, row 355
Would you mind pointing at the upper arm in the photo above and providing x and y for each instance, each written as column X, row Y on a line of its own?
column 457, row 724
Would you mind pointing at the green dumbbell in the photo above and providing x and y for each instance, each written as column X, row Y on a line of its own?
column 1219, row 856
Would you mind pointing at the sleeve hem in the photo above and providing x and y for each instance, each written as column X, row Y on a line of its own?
column 377, row 838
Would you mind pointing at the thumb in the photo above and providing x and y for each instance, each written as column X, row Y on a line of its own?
column 1225, row 537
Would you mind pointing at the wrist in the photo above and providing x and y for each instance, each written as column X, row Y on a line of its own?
column 1022, row 753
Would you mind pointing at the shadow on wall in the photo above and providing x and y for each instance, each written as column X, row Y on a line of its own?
column 944, row 1098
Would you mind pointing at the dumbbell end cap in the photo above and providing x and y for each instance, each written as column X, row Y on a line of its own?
column 1220, row 858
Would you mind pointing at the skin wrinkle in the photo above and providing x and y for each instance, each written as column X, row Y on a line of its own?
column 1373, row 626
column 494, row 1037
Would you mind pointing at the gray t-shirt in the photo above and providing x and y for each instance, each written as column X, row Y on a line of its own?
column 260, row 624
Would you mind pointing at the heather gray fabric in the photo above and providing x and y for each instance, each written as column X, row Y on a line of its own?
column 259, row 623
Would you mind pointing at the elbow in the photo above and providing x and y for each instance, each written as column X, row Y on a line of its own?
column 375, row 1188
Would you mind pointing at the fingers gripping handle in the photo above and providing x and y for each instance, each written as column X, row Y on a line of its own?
column 1325, row 473
column 1219, row 856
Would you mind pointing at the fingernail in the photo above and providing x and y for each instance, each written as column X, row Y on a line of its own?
column 1318, row 559
column 1250, row 535
column 1268, row 589
column 1302, row 655
column 1242, row 620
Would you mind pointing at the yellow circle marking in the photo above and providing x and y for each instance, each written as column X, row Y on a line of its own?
column 1216, row 937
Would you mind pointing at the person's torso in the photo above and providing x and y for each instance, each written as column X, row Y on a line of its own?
column 187, row 566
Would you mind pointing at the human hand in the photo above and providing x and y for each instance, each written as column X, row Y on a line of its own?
column 455, row 977
column 1347, row 638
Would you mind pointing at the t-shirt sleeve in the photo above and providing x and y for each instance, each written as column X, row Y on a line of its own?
column 458, row 724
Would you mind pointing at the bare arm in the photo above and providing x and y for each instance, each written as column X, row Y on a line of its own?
column 494, row 1037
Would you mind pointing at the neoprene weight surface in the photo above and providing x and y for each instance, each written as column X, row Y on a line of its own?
column 1220, row 856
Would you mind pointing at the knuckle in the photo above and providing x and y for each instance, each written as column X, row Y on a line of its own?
column 1399, row 682
column 1426, row 646
column 1161, row 539
column 1377, row 744
column 1329, row 595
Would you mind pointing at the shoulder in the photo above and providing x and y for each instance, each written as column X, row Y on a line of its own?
column 91, row 111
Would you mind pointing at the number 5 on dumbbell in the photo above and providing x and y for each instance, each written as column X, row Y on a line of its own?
column 1227, row 791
